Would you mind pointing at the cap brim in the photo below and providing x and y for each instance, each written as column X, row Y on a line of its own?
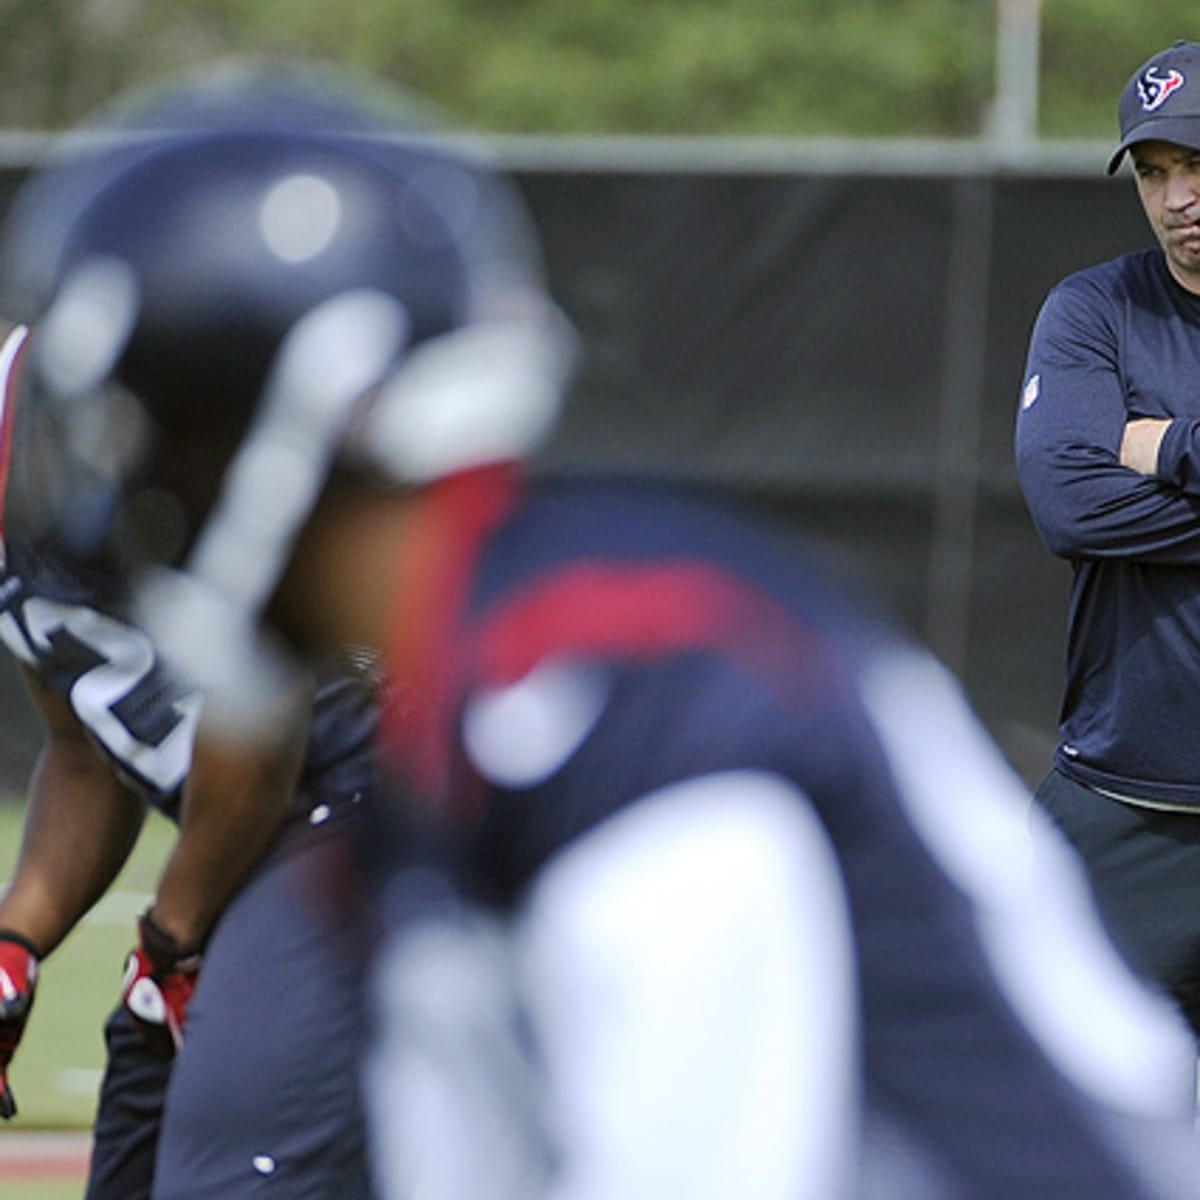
column 1184, row 131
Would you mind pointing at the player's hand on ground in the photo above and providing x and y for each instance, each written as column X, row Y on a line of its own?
column 160, row 976
column 18, row 980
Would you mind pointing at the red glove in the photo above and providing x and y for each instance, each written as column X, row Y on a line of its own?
column 18, row 980
column 160, row 977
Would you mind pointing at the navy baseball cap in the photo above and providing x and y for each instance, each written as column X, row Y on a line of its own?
column 1162, row 101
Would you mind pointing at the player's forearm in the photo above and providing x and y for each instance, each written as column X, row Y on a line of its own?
column 80, row 826
column 234, row 802
column 212, row 857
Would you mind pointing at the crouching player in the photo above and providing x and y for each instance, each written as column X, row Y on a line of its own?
column 264, row 1087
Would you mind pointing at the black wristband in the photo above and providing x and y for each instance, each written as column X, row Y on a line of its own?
column 11, row 935
column 161, row 948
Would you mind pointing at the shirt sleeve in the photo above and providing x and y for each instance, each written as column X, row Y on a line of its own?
column 1073, row 412
column 1179, row 455
column 690, row 968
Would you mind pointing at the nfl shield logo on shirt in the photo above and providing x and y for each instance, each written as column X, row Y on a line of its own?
column 1032, row 390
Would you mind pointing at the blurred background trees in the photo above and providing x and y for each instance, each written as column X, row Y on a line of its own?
column 872, row 68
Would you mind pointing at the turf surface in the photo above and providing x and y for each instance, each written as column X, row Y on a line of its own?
column 57, row 1069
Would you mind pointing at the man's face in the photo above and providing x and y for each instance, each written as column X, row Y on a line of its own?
column 1168, row 182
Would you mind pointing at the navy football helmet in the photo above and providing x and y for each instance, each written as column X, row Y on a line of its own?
column 241, row 282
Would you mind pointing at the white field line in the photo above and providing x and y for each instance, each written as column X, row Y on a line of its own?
column 78, row 1081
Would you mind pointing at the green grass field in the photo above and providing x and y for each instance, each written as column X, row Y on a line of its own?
column 57, row 1069
column 29, row 1190
column 56, row 1073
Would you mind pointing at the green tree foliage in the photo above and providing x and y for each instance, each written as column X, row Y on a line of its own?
column 914, row 68
column 1091, row 47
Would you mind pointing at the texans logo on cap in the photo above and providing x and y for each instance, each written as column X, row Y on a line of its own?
column 1153, row 88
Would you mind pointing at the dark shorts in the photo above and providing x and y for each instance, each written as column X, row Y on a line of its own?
column 125, row 1134
column 1144, row 867
column 263, row 1099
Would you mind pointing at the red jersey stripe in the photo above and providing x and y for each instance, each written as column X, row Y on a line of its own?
column 10, row 354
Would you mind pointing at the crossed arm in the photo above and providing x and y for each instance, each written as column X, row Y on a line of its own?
column 1099, row 485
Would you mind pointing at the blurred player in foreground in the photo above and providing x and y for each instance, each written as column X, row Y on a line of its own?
column 1105, row 444
column 753, row 917
column 262, row 1097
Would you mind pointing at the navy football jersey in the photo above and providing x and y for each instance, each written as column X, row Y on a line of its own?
column 70, row 627
column 720, row 804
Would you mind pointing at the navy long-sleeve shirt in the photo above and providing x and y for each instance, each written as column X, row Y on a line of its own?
column 1114, row 342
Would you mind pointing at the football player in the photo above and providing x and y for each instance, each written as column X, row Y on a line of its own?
column 252, row 1082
